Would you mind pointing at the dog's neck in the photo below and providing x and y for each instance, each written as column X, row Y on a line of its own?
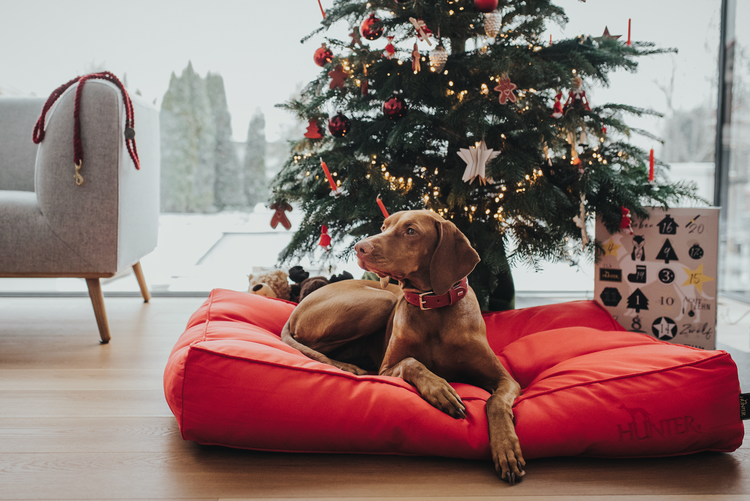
column 429, row 300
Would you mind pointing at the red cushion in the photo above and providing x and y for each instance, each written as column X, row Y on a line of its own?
column 589, row 388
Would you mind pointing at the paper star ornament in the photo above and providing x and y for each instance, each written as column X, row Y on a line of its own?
column 505, row 87
column 476, row 158
column 606, row 36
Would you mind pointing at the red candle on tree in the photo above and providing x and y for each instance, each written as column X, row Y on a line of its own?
column 629, row 33
column 328, row 175
column 651, row 166
column 382, row 207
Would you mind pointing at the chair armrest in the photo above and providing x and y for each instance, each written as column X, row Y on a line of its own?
column 17, row 118
column 90, row 218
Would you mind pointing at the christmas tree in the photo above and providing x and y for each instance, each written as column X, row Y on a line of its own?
column 488, row 126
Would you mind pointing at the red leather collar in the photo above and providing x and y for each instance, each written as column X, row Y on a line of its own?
column 430, row 300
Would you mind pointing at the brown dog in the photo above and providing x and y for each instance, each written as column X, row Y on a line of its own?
column 428, row 332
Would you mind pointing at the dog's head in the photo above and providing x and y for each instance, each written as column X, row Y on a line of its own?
column 419, row 249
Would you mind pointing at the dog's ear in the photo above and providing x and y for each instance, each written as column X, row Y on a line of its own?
column 454, row 257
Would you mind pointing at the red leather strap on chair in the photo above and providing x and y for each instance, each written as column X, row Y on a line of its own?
column 38, row 135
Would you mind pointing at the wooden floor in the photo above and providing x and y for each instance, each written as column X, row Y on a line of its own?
column 80, row 421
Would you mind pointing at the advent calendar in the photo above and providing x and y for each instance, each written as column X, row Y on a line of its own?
column 661, row 279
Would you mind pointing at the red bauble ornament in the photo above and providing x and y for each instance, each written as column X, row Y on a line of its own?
column 371, row 28
column 339, row 125
column 323, row 55
column 485, row 5
column 394, row 108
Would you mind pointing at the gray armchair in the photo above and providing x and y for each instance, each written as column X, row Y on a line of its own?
column 51, row 227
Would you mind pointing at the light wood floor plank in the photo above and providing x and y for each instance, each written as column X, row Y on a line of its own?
column 83, row 404
column 90, row 435
column 80, row 379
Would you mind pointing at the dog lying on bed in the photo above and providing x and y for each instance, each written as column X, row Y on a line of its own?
column 427, row 331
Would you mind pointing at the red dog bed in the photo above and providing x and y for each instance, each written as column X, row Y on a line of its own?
column 589, row 388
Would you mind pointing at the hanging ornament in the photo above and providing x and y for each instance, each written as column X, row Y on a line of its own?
column 313, row 130
column 394, row 108
column 493, row 21
column 547, row 156
column 580, row 221
column 557, row 109
column 423, row 32
column 389, row 50
column 626, row 221
column 416, row 65
column 505, row 87
column 371, row 28
column 279, row 216
column 438, row 58
column 356, row 40
column 485, row 5
column 323, row 55
column 325, row 239
column 339, row 125
column 338, row 77
column 476, row 158
column 577, row 97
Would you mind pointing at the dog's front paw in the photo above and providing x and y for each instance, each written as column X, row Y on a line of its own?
column 442, row 396
column 508, row 459
column 349, row 368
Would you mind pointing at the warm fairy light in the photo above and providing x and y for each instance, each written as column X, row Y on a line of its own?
column 450, row 84
column 400, row 62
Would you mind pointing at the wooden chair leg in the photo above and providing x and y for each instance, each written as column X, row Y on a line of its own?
column 141, row 282
column 97, row 300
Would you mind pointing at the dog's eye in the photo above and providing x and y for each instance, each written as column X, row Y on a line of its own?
column 411, row 231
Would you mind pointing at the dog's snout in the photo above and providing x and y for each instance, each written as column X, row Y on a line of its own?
column 363, row 247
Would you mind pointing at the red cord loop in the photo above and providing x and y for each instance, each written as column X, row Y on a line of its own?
column 38, row 135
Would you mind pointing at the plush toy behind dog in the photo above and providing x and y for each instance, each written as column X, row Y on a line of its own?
column 271, row 284
column 304, row 284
